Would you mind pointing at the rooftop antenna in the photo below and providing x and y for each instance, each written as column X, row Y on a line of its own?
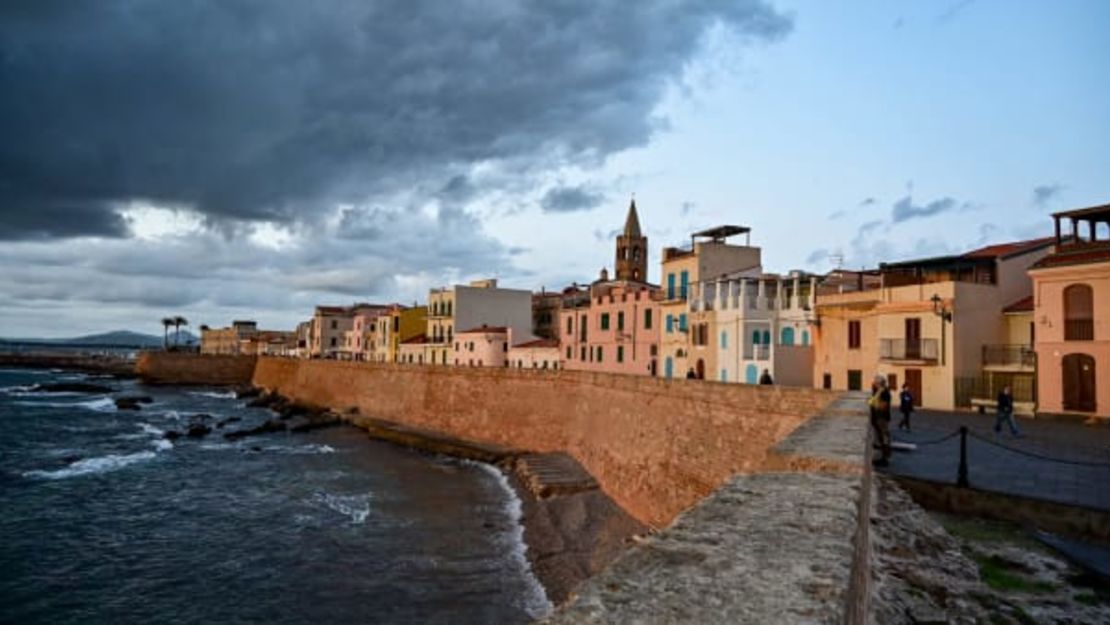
column 837, row 260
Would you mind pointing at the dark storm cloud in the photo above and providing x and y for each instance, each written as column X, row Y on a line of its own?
column 570, row 199
column 277, row 110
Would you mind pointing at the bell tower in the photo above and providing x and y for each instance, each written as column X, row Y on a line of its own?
column 632, row 248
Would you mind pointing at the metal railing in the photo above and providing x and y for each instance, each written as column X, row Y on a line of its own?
column 1009, row 355
column 1079, row 330
column 757, row 352
column 909, row 349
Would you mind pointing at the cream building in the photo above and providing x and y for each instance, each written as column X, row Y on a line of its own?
column 483, row 346
column 709, row 257
column 931, row 324
column 479, row 303
column 741, row 327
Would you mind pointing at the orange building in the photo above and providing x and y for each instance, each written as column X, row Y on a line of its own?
column 1071, row 314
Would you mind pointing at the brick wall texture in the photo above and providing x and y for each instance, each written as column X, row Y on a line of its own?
column 655, row 446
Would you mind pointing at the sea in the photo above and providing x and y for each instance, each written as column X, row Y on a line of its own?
column 103, row 520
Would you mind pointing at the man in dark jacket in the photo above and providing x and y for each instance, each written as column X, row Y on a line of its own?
column 905, row 406
column 1006, row 412
column 766, row 378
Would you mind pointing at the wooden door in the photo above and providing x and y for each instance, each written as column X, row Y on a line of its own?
column 1079, row 382
column 892, row 382
column 913, row 338
column 913, row 380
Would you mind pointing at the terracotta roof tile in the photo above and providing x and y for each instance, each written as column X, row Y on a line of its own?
column 1009, row 249
column 486, row 330
column 1077, row 256
column 539, row 343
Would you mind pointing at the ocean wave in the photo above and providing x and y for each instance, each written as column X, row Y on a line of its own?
column 150, row 429
column 102, row 464
column 172, row 414
column 355, row 507
column 162, row 444
column 104, row 404
column 214, row 394
column 312, row 448
column 216, row 446
column 535, row 601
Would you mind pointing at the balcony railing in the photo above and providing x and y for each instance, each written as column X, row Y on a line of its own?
column 757, row 352
column 909, row 349
column 1079, row 330
column 1009, row 356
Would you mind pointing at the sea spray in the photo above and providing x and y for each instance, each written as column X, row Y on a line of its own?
column 88, row 466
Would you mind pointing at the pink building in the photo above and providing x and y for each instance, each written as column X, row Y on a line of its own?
column 481, row 347
column 617, row 329
column 362, row 339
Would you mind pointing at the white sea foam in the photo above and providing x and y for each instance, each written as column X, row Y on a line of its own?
column 216, row 446
column 103, row 404
column 535, row 601
column 150, row 429
column 312, row 448
column 214, row 394
column 102, row 464
column 162, row 444
column 354, row 507
column 172, row 414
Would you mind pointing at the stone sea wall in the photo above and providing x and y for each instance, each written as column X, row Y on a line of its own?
column 655, row 446
column 181, row 368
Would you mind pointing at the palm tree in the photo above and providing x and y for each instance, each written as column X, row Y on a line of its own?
column 166, row 323
column 177, row 323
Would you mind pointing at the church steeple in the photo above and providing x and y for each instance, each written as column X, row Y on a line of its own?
column 632, row 248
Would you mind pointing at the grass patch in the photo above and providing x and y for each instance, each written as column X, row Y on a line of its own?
column 1001, row 575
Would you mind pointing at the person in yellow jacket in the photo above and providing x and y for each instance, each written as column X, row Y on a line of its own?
column 879, row 403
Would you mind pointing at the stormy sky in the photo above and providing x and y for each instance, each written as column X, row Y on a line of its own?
column 254, row 158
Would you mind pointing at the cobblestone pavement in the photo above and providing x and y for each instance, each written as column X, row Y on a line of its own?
column 1061, row 461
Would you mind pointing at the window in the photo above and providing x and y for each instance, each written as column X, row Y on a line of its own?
column 724, row 375
column 582, row 328
column 505, row 346
column 583, row 354
column 682, row 322
column 668, row 367
column 570, row 326
column 570, row 353
column 600, row 354
column 787, row 337
column 685, row 284
column 724, row 339
column 826, row 381
column 456, row 346
column 620, row 321
column 1079, row 313
column 670, row 286
column 620, row 353
column 333, row 341
column 647, row 318
column 670, row 324
column 853, row 338
column 604, row 321
column 334, row 324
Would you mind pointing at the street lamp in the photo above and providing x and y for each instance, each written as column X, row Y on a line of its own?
column 945, row 315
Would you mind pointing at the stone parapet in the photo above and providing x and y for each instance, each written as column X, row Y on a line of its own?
column 185, row 368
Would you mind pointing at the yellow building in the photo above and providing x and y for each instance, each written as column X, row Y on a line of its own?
column 939, row 325
column 708, row 257
column 398, row 325
column 228, row 340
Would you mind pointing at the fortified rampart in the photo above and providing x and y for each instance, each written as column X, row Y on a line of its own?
column 656, row 446
column 183, row 368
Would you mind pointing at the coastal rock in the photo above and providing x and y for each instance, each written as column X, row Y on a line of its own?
column 127, row 403
column 222, row 422
column 271, row 425
column 265, row 400
column 198, row 430
column 72, row 387
column 71, row 459
column 200, row 417
column 171, row 435
column 306, row 423
column 247, row 392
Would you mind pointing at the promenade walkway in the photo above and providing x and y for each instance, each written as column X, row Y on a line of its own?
column 1061, row 461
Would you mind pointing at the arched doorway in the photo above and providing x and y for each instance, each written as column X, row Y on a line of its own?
column 751, row 374
column 1079, row 382
column 700, row 369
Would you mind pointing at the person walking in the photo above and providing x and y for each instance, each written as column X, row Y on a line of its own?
column 766, row 377
column 690, row 375
column 1006, row 412
column 905, row 406
column 880, row 419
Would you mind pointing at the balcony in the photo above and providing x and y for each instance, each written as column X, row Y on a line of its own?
column 757, row 352
column 912, row 350
column 1079, row 330
column 1009, row 358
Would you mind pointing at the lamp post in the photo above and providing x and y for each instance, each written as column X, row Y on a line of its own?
column 945, row 315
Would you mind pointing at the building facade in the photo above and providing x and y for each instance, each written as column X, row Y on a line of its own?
column 480, row 303
column 742, row 327
column 537, row 354
column 925, row 323
column 617, row 331
column 1071, row 314
column 483, row 346
column 227, row 340
column 330, row 325
column 400, row 324
column 708, row 258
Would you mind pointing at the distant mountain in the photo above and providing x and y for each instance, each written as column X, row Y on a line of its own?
column 119, row 337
